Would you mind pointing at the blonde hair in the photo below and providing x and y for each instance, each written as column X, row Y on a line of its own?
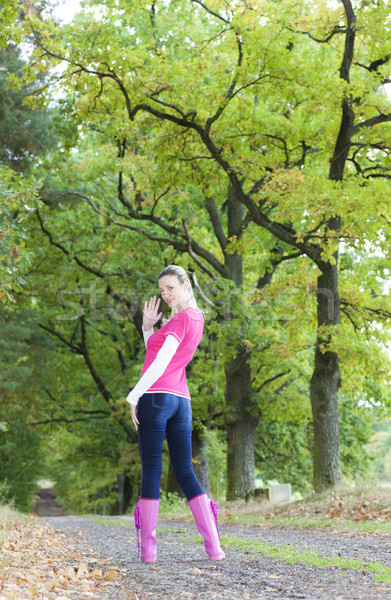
column 182, row 277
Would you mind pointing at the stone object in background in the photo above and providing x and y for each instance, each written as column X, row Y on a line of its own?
column 280, row 494
column 261, row 493
column 276, row 494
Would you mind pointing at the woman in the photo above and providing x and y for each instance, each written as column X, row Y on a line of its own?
column 160, row 405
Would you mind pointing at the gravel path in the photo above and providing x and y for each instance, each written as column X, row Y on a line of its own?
column 184, row 571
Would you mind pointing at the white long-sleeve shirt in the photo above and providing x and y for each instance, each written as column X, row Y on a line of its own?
column 147, row 334
column 156, row 368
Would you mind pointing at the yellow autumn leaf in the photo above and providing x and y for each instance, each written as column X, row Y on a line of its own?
column 96, row 574
column 82, row 571
column 111, row 575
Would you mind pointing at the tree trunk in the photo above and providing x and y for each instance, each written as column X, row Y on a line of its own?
column 200, row 459
column 324, row 385
column 241, row 425
column 200, row 465
column 172, row 485
column 326, row 378
column 125, row 492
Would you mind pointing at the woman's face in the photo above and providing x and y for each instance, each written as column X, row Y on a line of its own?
column 174, row 293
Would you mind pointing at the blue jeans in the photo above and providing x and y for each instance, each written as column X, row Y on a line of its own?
column 163, row 414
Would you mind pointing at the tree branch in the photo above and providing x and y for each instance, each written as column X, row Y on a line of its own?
column 346, row 129
column 284, row 144
column 382, row 118
column 289, row 236
column 114, row 337
column 270, row 380
column 336, row 29
column 231, row 89
column 379, row 312
column 279, row 230
column 375, row 64
column 345, row 311
column 202, row 294
column 99, row 383
column 179, row 245
column 74, row 349
column 70, row 254
column 246, row 85
column 73, row 420
column 377, row 175
column 216, row 222
column 193, row 255
column 210, row 11
column 349, row 41
column 191, row 158
column 270, row 450
column 168, row 105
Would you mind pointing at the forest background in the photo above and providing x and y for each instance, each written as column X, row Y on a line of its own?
column 248, row 141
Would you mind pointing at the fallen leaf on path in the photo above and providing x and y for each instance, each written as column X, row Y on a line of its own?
column 83, row 571
column 195, row 571
column 111, row 575
column 46, row 564
column 97, row 573
column 68, row 572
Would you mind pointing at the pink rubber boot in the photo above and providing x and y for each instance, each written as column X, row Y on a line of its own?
column 205, row 515
column 145, row 518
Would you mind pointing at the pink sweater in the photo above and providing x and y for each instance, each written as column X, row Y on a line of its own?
column 187, row 327
column 169, row 350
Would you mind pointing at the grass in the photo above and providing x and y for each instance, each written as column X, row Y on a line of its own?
column 174, row 507
column 316, row 511
column 289, row 521
column 360, row 509
column 345, row 525
column 313, row 522
column 102, row 521
column 292, row 555
column 337, row 510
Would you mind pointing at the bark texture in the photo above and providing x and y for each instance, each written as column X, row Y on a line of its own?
column 324, row 386
column 172, row 485
column 125, row 493
column 326, row 378
column 200, row 459
column 241, row 425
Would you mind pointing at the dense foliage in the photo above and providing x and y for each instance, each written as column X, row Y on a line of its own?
column 206, row 134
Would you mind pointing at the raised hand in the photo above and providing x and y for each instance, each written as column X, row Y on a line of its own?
column 151, row 316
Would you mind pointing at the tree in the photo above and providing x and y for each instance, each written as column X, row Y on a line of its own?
column 229, row 310
column 256, row 138
column 25, row 136
column 15, row 195
column 23, row 354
